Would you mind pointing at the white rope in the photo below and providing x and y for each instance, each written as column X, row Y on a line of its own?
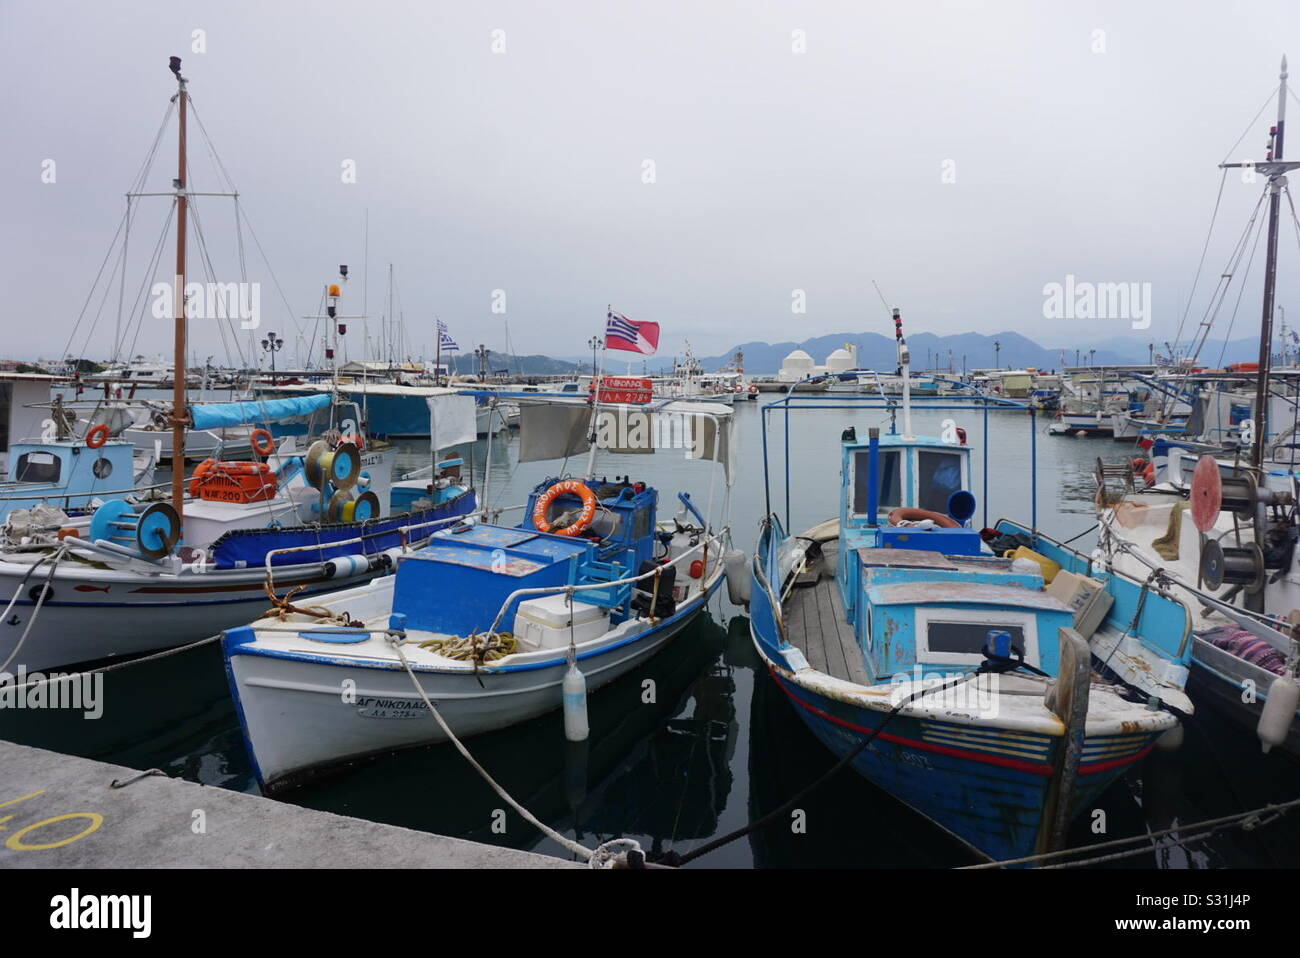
column 45, row 590
column 580, row 850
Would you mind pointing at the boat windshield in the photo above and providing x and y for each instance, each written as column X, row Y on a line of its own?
column 890, row 488
column 939, row 475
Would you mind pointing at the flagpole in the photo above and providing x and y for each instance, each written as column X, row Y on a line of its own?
column 437, row 363
column 595, row 395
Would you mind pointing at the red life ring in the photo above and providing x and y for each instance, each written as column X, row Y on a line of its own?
column 913, row 515
column 97, row 436
column 256, row 437
column 585, row 518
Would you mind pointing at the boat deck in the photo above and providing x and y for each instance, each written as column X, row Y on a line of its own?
column 817, row 625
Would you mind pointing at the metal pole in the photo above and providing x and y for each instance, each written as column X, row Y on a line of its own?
column 179, row 415
column 1270, row 280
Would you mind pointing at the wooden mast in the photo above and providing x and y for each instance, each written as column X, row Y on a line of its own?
column 179, row 414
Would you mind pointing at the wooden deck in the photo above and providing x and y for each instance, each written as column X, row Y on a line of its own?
column 817, row 625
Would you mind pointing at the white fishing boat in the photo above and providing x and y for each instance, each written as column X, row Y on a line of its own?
column 491, row 622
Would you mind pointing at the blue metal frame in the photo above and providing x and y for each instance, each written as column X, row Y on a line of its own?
column 790, row 401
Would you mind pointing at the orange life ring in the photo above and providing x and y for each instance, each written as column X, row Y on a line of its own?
column 97, row 436
column 912, row 515
column 585, row 518
column 260, row 447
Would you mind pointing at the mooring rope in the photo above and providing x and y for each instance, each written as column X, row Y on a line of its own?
column 604, row 856
column 1247, row 820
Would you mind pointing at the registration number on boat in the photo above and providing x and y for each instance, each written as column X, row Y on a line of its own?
column 373, row 707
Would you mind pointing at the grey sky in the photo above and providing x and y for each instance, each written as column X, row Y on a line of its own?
column 523, row 170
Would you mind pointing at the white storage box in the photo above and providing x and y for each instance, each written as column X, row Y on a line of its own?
column 549, row 621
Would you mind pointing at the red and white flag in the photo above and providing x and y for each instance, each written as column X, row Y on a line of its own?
column 631, row 335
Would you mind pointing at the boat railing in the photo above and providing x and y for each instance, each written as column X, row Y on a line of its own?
column 65, row 496
column 355, row 540
column 936, row 403
column 716, row 538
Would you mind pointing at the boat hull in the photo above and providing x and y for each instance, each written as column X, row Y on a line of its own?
column 94, row 613
column 989, row 788
column 297, row 725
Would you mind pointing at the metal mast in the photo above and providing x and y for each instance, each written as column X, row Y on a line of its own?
column 179, row 414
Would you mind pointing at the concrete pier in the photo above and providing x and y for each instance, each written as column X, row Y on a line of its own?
column 60, row 811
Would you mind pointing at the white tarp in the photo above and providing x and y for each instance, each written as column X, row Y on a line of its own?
column 452, row 420
column 562, row 430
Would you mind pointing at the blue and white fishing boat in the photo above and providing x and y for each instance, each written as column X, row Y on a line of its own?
column 491, row 620
column 956, row 676
column 139, row 576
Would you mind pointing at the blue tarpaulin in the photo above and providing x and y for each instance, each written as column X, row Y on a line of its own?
column 216, row 415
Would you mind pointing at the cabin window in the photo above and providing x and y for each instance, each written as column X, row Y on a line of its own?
column 956, row 636
column 939, row 476
column 889, row 489
column 37, row 467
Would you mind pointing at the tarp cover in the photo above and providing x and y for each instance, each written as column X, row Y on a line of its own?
column 215, row 415
column 561, row 430
column 453, row 420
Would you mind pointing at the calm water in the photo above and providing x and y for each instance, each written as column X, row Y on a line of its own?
column 720, row 745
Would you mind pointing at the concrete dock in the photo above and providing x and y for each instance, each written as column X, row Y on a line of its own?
column 61, row 811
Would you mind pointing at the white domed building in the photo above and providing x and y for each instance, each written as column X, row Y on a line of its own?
column 798, row 365
column 840, row 361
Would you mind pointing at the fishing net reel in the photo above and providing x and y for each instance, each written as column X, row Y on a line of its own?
column 336, row 473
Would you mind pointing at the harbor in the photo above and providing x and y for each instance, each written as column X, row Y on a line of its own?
column 330, row 541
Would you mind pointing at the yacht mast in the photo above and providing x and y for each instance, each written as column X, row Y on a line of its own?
column 179, row 414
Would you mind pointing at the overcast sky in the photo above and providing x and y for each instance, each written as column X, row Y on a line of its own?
column 1066, row 151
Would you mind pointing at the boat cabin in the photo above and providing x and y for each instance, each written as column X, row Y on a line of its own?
column 483, row 564
column 929, row 595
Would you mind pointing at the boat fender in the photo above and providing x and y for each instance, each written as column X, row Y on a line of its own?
column 574, row 688
column 738, row 577
column 1279, row 712
column 345, row 566
column 1171, row 740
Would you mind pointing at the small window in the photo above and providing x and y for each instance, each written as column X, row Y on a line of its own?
column 37, row 467
column 956, row 636
column 968, row 638
column 889, row 490
column 939, row 476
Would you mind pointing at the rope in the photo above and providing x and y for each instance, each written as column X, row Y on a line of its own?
column 120, row 665
column 1247, row 820
column 601, row 857
column 676, row 860
column 45, row 590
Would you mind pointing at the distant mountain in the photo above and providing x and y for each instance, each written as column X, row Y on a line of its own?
column 971, row 351
column 517, row 365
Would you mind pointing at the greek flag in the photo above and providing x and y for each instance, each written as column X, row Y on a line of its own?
column 447, row 344
column 631, row 335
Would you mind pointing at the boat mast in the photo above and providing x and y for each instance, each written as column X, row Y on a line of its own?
column 1276, row 170
column 179, row 415
column 904, row 369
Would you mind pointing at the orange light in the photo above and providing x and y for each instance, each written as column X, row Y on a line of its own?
column 334, row 289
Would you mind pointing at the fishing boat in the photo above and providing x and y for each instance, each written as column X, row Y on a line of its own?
column 493, row 622
column 142, row 575
column 953, row 666
column 1217, row 518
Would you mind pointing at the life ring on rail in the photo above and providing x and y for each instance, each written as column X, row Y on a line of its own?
column 97, row 436
column 905, row 513
column 589, row 503
column 262, row 441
